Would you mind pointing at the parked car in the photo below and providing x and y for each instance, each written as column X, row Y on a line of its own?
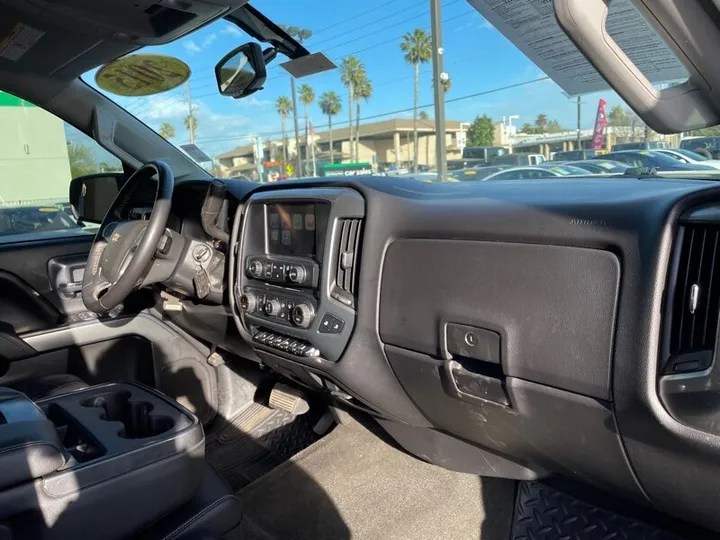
column 518, row 160
column 25, row 219
column 477, row 156
column 687, row 156
column 645, row 145
column 599, row 166
column 708, row 146
column 476, row 174
column 537, row 172
column 575, row 155
column 652, row 160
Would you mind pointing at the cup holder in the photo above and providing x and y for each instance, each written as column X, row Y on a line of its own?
column 135, row 416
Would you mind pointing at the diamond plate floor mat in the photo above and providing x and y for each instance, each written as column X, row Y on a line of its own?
column 257, row 440
column 543, row 513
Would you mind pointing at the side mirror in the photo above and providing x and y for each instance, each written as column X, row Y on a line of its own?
column 92, row 195
column 241, row 72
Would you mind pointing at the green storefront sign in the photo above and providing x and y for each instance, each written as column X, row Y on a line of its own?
column 8, row 100
column 345, row 169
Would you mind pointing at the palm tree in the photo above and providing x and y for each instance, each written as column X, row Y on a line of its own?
column 350, row 70
column 191, row 124
column 425, row 117
column 541, row 122
column 363, row 90
column 167, row 130
column 284, row 108
column 330, row 106
column 307, row 97
column 418, row 50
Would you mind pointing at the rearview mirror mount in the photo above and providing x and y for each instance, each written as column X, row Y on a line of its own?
column 242, row 71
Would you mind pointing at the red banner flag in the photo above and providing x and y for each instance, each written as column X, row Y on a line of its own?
column 600, row 124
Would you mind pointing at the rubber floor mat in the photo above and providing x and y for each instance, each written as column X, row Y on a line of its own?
column 257, row 440
column 543, row 513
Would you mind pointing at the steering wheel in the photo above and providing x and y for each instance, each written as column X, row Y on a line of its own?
column 122, row 251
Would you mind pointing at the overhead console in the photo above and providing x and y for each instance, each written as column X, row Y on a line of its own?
column 295, row 271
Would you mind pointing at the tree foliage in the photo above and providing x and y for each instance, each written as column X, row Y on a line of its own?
column 167, row 130
column 481, row 132
column 417, row 49
column 627, row 126
column 81, row 159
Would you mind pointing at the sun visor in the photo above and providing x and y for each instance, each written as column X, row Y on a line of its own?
column 533, row 28
column 142, row 22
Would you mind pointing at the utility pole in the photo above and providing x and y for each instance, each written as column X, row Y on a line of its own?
column 439, row 90
column 191, row 115
column 259, row 158
column 297, row 137
column 579, row 113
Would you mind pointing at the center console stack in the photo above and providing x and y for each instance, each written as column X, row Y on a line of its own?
column 97, row 463
column 295, row 269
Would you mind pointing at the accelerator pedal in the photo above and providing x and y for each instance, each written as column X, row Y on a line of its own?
column 288, row 399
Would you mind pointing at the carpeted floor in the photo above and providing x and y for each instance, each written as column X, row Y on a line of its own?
column 351, row 484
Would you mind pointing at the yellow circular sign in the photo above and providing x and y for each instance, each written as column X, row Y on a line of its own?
column 142, row 74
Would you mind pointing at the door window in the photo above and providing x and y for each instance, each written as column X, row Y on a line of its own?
column 39, row 155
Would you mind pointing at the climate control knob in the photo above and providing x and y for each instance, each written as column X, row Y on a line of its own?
column 303, row 315
column 248, row 302
column 296, row 274
column 256, row 268
column 272, row 308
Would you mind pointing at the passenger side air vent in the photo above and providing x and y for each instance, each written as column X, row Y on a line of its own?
column 346, row 265
column 696, row 299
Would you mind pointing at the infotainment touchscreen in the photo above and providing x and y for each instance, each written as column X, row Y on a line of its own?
column 291, row 229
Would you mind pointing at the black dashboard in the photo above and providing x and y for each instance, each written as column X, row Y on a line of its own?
column 513, row 329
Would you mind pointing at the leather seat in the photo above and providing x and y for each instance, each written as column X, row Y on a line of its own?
column 49, row 386
column 213, row 511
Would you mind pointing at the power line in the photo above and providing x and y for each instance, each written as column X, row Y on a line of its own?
column 380, row 115
column 336, row 60
column 148, row 106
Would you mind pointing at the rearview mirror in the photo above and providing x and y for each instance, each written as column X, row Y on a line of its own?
column 241, row 72
column 92, row 195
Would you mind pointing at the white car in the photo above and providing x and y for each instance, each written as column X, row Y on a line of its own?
column 687, row 156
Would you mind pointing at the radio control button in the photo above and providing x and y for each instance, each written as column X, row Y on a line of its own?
column 296, row 273
column 255, row 268
column 302, row 315
column 271, row 308
column 248, row 302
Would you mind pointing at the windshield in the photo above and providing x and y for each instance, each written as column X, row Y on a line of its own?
column 375, row 112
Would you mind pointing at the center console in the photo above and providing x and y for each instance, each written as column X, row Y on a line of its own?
column 97, row 463
column 295, row 269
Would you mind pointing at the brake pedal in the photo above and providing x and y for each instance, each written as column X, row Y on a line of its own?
column 288, row 399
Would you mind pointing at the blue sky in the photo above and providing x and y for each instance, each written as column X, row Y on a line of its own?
column 478, row 59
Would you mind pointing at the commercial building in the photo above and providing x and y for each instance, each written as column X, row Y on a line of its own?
column 383, row 144
column 32, row 147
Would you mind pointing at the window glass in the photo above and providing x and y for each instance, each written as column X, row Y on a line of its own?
column 39, row 155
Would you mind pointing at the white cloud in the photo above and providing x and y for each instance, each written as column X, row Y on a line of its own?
column 232, row 30
column 192, row 47
column 209, row 40
column 254, row 103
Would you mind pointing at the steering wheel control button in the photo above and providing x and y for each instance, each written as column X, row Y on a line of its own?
column 255, row 268
column 303, row 315
column 330, row 324
column 476, row 343
column 296, row 274
column 248, row 302
column 272, row 308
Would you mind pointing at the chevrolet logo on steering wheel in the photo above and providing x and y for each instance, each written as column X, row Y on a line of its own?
column 115, row 237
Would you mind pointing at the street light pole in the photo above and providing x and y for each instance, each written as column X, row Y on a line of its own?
column 297, row 137
column 439, row 89
column 579, row 112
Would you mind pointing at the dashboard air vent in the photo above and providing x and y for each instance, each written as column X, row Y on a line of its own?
column 696, row 300
column 347, row 259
